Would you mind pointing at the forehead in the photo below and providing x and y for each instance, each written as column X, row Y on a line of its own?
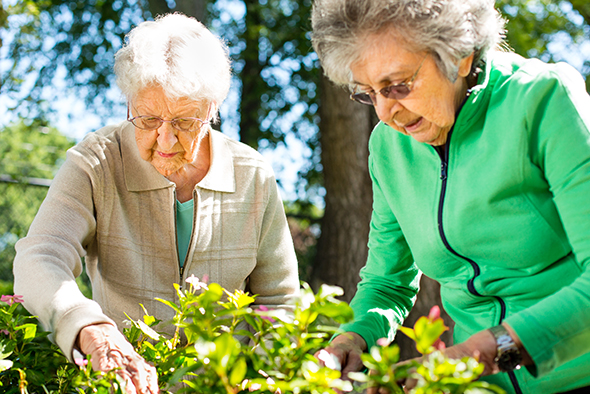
column 384, row 58
column 155, row 100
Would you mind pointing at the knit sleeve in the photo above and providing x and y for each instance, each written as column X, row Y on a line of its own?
column 49, row 258
column 389, row 280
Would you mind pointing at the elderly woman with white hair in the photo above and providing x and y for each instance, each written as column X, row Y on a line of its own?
column 481, row 180
column 152, row 201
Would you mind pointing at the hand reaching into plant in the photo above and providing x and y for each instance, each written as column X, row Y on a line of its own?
column 109, row 349
column 347, row 349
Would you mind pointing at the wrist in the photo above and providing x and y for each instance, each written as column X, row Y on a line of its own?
column 526, row 358
column 353, row 337
column 508, row 356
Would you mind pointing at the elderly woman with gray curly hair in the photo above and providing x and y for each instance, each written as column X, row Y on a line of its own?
column 152, row 201
column 481, row 180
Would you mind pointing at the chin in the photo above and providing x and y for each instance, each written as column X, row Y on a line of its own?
column 166, row 169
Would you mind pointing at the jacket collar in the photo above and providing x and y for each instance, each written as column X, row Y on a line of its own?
column 141, row 175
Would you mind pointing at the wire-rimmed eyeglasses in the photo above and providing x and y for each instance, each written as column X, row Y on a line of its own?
column 396, row 91
column 149, row 122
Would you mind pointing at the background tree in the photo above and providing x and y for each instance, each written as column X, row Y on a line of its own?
column 30, row 154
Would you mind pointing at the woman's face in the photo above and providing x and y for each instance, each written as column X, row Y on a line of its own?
column 167, row 148
column 428, row 112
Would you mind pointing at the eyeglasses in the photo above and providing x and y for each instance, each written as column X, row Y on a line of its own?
column 148, row 122
column 397, row 91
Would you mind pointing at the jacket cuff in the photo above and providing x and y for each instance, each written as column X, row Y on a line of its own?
column 68, row 328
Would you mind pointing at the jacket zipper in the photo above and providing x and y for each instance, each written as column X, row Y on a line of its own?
column 181, row 269
column 444, row 157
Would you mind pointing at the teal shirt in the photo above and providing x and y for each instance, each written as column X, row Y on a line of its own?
column 184, row 228
column 502, row 223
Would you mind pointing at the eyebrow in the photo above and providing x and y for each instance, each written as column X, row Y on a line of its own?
column 388, row 79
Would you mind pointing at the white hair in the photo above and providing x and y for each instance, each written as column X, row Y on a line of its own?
column 448, row 29
column 179, row 54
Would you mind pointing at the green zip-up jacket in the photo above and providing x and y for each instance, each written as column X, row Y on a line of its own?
column 501, row 220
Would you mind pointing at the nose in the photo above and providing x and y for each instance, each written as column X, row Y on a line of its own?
column 167, row 136
column 386, row 108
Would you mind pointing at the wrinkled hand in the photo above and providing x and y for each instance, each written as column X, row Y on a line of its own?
column 109, row 349
column 347, row 349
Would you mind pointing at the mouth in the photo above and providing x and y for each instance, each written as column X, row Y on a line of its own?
column 166, row 155
column 414, row 125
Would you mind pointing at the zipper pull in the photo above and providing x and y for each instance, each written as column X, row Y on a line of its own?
column 443, row 170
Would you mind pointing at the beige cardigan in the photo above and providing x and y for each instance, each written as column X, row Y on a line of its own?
column 111, row 207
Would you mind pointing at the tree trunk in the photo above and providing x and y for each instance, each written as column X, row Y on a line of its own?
column 428, row 297
column 158, row 7
column 250, row 78
column 195, row 8
column 345, row 127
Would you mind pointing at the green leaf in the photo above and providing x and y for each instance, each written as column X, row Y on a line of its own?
column 238, row 372
column 29, row 329
column 147, row 330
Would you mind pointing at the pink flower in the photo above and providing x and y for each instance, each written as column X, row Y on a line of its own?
column 439, row 345
column 196, row 284
column 11, row 299
column 81, row 362
column 434, row 313
column 264, row 308
column 5, row 332
column 383, row 342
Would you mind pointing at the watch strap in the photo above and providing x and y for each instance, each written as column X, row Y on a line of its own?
column 508, row 355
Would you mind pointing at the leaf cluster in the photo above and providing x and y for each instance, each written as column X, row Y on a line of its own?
column 223, row 343
column 432, row 373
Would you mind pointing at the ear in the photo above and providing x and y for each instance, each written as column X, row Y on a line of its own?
column 465, row 65
column 211, row 111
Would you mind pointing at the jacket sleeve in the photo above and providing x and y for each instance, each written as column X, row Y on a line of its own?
column 389, row 280
column 275, row 278
column 557, row 329
column 48, row 259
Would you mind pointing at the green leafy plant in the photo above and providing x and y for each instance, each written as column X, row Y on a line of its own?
column 226, row 344
column 432, row 373
column 222, row 343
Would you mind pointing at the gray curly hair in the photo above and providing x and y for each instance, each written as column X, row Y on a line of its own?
column 179, row 54
column 448, row 29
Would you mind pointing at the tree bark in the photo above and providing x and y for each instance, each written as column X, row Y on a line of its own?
column 250, row 78
column 194, row 8
column 345, row 127
column 428, row 297
column 158, row 7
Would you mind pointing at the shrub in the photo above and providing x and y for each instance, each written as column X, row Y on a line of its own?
column 224, row 344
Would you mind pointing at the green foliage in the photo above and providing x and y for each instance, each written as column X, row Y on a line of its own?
column 222, row 343
column 30, row 155
column 29, row 362
column 433, row 373
column 534, row 24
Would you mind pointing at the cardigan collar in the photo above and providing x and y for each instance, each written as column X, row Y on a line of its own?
column 141, row 175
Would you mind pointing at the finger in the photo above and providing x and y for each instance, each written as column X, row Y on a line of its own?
column 372, row 389
column 383, row 390
column 354, row 363
column 153, row 380
column 410, row 384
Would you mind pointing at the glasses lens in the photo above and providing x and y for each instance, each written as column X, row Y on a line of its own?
column 362, row 97
column 186, row 124
column 147, row 122
column 396, row 92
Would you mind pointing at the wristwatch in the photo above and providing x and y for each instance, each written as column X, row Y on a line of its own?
column 508, row 357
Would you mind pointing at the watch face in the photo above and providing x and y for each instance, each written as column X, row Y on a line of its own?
column 509, row 360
